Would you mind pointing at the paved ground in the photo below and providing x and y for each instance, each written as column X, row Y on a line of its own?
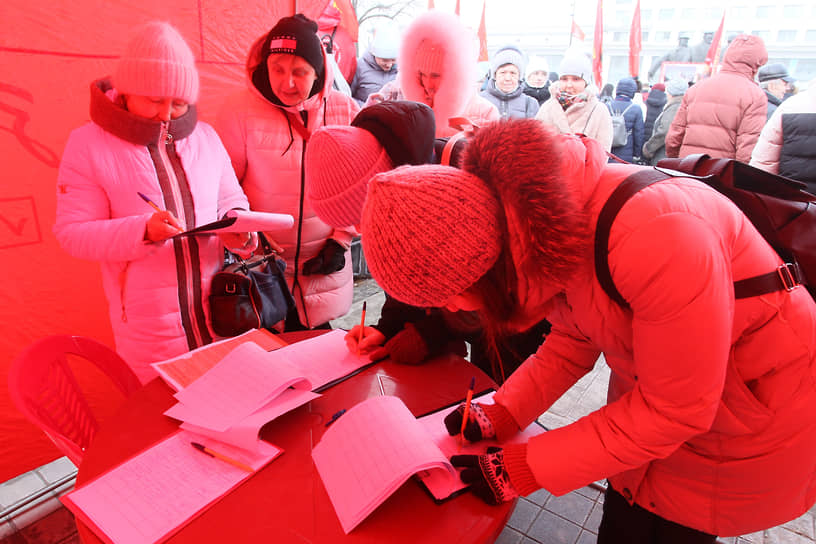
column 539, row 518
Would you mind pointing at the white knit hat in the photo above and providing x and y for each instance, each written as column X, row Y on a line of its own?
column 157, row 62
column 536, row 64
column 508, row 55
column 576, row 63
column 385, row 44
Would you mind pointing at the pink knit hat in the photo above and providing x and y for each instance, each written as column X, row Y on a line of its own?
column 430, row 232
column 340, row 160
column 429, row 57
column 157, row 62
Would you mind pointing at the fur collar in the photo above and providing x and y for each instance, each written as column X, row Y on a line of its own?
column 107, row 112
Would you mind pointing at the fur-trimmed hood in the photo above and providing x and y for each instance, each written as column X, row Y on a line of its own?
column 543, row 180
column 458, row 83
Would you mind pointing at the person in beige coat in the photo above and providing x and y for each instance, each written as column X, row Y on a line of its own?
column 573, row 107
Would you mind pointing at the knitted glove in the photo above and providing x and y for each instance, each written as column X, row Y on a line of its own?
column 487, row 476
column 485, row 421
column 330, row 259
column 406, row 348
column 478, row 426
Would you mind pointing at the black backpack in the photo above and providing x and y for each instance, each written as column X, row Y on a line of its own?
column 780, row 209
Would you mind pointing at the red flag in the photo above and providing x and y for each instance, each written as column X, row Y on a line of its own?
column 576, row 31
column 430, row 4
column 483, row 36
column 348, row 17
column 714, row 50
column 635, row 43
column 597, row 45
column 456, row 11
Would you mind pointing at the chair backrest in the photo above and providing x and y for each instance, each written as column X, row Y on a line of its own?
column 43, row 387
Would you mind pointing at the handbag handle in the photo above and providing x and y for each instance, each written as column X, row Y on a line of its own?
column 265, row 246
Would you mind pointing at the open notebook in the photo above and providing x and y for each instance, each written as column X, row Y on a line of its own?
column 156, row 492
column 377, row 445
column 250, row 387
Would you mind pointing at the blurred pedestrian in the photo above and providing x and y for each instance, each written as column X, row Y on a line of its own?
column 378, row 65
column 504, row 88
column 655, row 147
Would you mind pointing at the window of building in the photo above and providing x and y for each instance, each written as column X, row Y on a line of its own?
column 714, row 13
column 786, row 35
column 665, row 14
column 622, row 16
column 738, row 12
column 764, row 34
column 620, row 36
column 688, row 13
column 644, row 37
column 645, row 15
column 662, row 36
column 810, row 36
column 792, row 11
column 763, row 11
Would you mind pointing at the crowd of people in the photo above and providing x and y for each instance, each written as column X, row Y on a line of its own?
column 477, row 209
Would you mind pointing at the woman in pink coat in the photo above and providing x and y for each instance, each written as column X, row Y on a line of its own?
column 144, row 138
column 265, row 129
column 438, row 68
column 710, row 424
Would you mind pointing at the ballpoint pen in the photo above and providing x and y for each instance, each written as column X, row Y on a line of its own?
column 466, row 415
column 231, row 461
column 362, row 326
column 147, row 199
column 335, row 416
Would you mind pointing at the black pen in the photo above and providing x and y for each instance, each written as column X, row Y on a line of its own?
column 335, row 416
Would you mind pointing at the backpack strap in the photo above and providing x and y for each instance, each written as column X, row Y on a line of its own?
column 622, row 193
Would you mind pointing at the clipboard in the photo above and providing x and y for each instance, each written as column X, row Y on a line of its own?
column 243, row 221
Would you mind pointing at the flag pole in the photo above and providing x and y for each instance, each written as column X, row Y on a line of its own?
column 572, row 23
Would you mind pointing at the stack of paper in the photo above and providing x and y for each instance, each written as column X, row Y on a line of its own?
column 236, row 397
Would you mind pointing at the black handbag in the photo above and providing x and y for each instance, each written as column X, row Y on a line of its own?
column 249, row 294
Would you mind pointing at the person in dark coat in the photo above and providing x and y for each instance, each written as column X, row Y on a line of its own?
column 654, row 106
column 624, row 93
column 504, row 88
column 377, row 66
column 536, row 83
column 655, row 147
column 774, row 80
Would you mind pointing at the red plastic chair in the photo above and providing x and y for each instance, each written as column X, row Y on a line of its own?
column 43, row 387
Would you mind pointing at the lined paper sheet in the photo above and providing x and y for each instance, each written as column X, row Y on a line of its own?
column 244, row 434
column 153, row 494
column 440, row 484
column 241, row 383
column 322, row 359
column 369, row 452
column 181, row 371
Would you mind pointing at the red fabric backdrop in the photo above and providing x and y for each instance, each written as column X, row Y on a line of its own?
column 49, row 54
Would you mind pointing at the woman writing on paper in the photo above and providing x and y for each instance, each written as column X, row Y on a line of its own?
column 144, row 137
column 710, row 423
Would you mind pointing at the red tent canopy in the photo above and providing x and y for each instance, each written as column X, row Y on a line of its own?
column 49, row 53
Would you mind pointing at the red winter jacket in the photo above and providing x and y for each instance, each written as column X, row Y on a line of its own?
column 724, row 114
column 711, row 414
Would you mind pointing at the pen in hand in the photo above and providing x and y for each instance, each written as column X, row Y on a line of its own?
column 466, row 415
column 155, row 207
column 211, row 453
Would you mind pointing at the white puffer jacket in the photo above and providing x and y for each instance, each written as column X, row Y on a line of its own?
column 267, row 153
column 157, row 292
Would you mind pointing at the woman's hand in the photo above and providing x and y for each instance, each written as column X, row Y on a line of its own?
column 372, row 339
column 242, row 244
column 161, row 226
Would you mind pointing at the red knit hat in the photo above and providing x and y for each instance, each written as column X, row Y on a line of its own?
column 429, row 232
column 430, row 57
column 340, row 160
column 157, row 62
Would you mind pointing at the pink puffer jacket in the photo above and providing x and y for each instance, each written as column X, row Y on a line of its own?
column 711, row 414
column 267, row 154
column 157, row 292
